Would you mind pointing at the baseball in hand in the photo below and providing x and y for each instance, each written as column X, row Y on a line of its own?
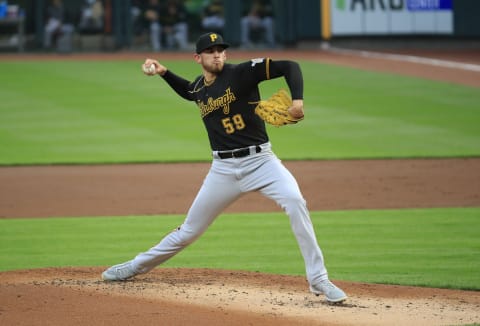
column 149, row 69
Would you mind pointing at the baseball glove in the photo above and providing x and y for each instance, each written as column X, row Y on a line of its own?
column 275, row 110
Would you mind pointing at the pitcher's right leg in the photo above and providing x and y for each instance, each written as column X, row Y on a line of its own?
column 217, row 192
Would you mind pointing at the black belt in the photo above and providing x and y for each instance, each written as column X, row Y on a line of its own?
column 236, row 153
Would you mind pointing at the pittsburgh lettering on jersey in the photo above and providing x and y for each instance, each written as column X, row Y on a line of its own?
column 217, row 103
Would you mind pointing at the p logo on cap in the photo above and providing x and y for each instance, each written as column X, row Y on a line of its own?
column 208, row 40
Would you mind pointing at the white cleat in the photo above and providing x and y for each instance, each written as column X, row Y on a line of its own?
column 332, row 293
column 119, row 272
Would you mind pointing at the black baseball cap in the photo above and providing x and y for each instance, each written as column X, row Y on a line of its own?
column 208, row 40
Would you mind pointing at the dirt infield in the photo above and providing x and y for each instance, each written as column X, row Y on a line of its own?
column 135, row 189
column 76, row 296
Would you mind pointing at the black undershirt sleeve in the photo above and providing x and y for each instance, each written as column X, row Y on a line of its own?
column 178, row 84
column 292, row 73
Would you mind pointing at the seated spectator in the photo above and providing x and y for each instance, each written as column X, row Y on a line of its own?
column 56, row 25
column 213, row 20
column 136, row 16
column 152, row 18
column 167, row 22
column 175, row 26
column 91, row 19
column 258, row 21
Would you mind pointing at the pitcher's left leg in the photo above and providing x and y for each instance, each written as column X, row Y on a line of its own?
column 283, row 188
column 277, row 183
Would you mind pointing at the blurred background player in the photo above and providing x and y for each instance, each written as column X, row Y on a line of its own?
column 213, row 19
column 91, row 19
column 258, row 24
column 56, row 24
column 167, row 23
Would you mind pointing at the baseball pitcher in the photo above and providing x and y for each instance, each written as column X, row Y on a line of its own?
column 228, row 101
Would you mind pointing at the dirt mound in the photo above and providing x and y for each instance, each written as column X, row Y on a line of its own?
column 77, row 296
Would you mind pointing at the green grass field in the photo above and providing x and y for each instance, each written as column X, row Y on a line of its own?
column 96, row 112
column 428, row 247
column 109, row 112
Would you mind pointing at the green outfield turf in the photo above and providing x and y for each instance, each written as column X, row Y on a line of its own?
column 425, row 247
column 91, row 111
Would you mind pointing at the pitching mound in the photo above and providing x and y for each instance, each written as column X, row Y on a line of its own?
column 213, row 297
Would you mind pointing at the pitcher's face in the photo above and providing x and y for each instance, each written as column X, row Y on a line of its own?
column 212, row 59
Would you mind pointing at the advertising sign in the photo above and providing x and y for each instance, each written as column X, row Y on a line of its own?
column 384, row 17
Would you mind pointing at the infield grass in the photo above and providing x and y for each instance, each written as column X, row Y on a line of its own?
column 97, row 112
column 424, row 247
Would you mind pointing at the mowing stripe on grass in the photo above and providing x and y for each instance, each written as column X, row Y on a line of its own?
column 425, row 247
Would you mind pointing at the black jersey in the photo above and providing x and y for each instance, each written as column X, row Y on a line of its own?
column 227, row 106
